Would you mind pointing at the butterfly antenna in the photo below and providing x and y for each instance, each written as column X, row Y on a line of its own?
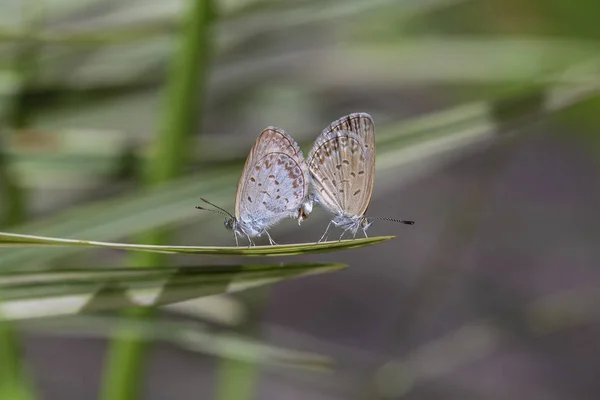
column 218, row 210
column 208, row 209
column 402, row 221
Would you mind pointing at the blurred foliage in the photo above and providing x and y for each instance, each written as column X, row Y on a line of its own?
column 73, row 291
column 81, row 86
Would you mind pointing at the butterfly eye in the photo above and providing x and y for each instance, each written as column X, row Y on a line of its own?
column 229, row 223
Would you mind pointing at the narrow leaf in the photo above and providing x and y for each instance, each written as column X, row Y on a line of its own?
column 18, row 240
column 26, row 295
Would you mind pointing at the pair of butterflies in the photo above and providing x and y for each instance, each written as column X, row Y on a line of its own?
column 278, row 182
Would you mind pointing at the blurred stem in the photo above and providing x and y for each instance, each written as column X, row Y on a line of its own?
column 13, row 195
column 20, row 114
column 123, row 370
column 124, row 367
column 237, row 380
column 15, row 382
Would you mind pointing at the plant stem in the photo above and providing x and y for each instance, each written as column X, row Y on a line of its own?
column 237, row 380
column 13, row 195
column 19, row 115
column 15, row 379
column 123, row 371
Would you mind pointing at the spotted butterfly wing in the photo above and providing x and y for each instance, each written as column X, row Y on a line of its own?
column 342, row 165
column 360, row 123
column 338, row 165
column 273, row 184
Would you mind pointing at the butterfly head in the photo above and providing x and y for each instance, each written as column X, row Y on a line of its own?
column 230, row 223
column 365, row 223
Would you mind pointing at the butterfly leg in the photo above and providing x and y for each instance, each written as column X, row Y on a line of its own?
column 365, row 233
column 348, row 230
column 270, row 239
column 250, row 242
column 326, row 230
column 237, row 244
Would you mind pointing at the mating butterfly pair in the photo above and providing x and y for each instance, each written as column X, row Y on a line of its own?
column 278, row 182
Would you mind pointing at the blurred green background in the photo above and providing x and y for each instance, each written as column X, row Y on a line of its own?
column 118, row 115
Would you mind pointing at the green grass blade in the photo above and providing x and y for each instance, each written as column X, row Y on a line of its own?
column 238, row 379
column 27, row 295
column 16, row 240
column 15, row 379
column 189, row 336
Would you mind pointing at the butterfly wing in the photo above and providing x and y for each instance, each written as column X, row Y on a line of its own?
column 362, row 125
column 274, row 180
column 339, row 164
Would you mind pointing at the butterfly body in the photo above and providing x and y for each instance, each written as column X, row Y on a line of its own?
column 351, row 223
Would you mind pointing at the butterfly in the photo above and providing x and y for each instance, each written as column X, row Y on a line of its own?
column 341, row 166
column 274, row 185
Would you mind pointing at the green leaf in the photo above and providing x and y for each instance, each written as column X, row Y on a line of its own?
column 466, row 59
column 190, row 336
column 16, row 240
column 26, row 295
